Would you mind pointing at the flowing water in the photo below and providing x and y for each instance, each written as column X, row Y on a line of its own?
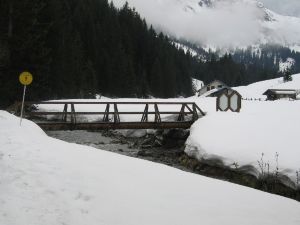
column 96, row 139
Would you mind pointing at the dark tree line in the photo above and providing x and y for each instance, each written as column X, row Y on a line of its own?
column 264, row 63
column 247, row 66
column 77, row 48
column 224, row 69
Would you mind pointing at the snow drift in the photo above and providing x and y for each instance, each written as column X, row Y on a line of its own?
column 46, row 181
column 262, row 127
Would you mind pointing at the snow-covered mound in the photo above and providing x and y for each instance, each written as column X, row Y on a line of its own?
column 46, row 181
column 262, row 127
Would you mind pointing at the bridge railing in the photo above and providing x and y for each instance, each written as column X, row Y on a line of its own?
column 109, row 115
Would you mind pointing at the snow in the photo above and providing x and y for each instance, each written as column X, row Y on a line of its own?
column 242, row 138
column 288, row 64
column 230, row 138
column 262, row 127
column 197, row 84
column 185, row 48
column 295, row 48
column 47, row 181
column 256, row 90
column 284, row 29
column 285, row 92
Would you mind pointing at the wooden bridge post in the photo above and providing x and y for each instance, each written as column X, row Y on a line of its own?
column 65, row 113
column 195, row 113
column 181, row 115
column 145, row 114
column 116, row 114
column 106, row 114
column 73, row 115
column 157, row 114
column 197, row 108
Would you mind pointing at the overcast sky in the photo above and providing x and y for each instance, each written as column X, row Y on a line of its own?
column 286, row 7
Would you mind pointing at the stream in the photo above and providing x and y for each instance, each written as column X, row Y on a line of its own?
column 167, row 147
column 148, row 147
column 96, row 140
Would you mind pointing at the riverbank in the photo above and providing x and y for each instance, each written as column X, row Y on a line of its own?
column 167, row 147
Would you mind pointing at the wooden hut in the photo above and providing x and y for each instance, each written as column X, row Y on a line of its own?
column 275, row 94
column 216, row 84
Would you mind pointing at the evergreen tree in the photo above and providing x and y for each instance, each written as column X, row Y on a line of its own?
column 287, row 75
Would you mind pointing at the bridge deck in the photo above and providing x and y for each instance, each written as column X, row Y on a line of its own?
column 114, row 126
column 111, row 118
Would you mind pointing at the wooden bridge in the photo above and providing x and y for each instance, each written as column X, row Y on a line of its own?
column 63, row 115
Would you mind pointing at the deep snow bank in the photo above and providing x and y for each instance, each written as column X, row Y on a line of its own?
column 262, row 127
column 46, row 181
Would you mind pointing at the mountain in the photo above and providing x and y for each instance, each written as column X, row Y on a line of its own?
column 220, row 23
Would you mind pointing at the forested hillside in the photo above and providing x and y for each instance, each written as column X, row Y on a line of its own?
column 77, row 48
column 243, row 66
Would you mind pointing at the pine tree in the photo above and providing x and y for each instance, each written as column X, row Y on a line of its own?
column 287, row 75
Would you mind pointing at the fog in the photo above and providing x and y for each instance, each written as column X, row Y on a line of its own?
column 286, row 7
column 228, row 24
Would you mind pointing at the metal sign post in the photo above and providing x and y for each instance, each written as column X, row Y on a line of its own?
column 25, row 78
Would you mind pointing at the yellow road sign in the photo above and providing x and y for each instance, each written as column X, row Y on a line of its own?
column 25, row 78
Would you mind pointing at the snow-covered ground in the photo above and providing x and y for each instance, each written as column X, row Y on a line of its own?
column 47, row 181
column 263, row 127
column 237, row 139
column 256, row 90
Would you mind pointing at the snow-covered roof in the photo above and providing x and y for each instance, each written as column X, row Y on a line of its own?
column 281, row 91
column 221, row 82
column 285, row 92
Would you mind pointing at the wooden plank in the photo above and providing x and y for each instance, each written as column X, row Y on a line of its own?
column 123, row 125
column 105, row 103
column 181, row 114
column 102, row 113
column 65, row 113
column 157, row 114
column 73, row 114
column 197, row 107
column 116, row 114
column 145, row 114
column 106, row 114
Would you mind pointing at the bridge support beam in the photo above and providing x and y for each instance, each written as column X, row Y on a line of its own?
column 114, row 126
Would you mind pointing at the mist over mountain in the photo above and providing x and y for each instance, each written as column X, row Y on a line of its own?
column 220, row 23
column 284, row 7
